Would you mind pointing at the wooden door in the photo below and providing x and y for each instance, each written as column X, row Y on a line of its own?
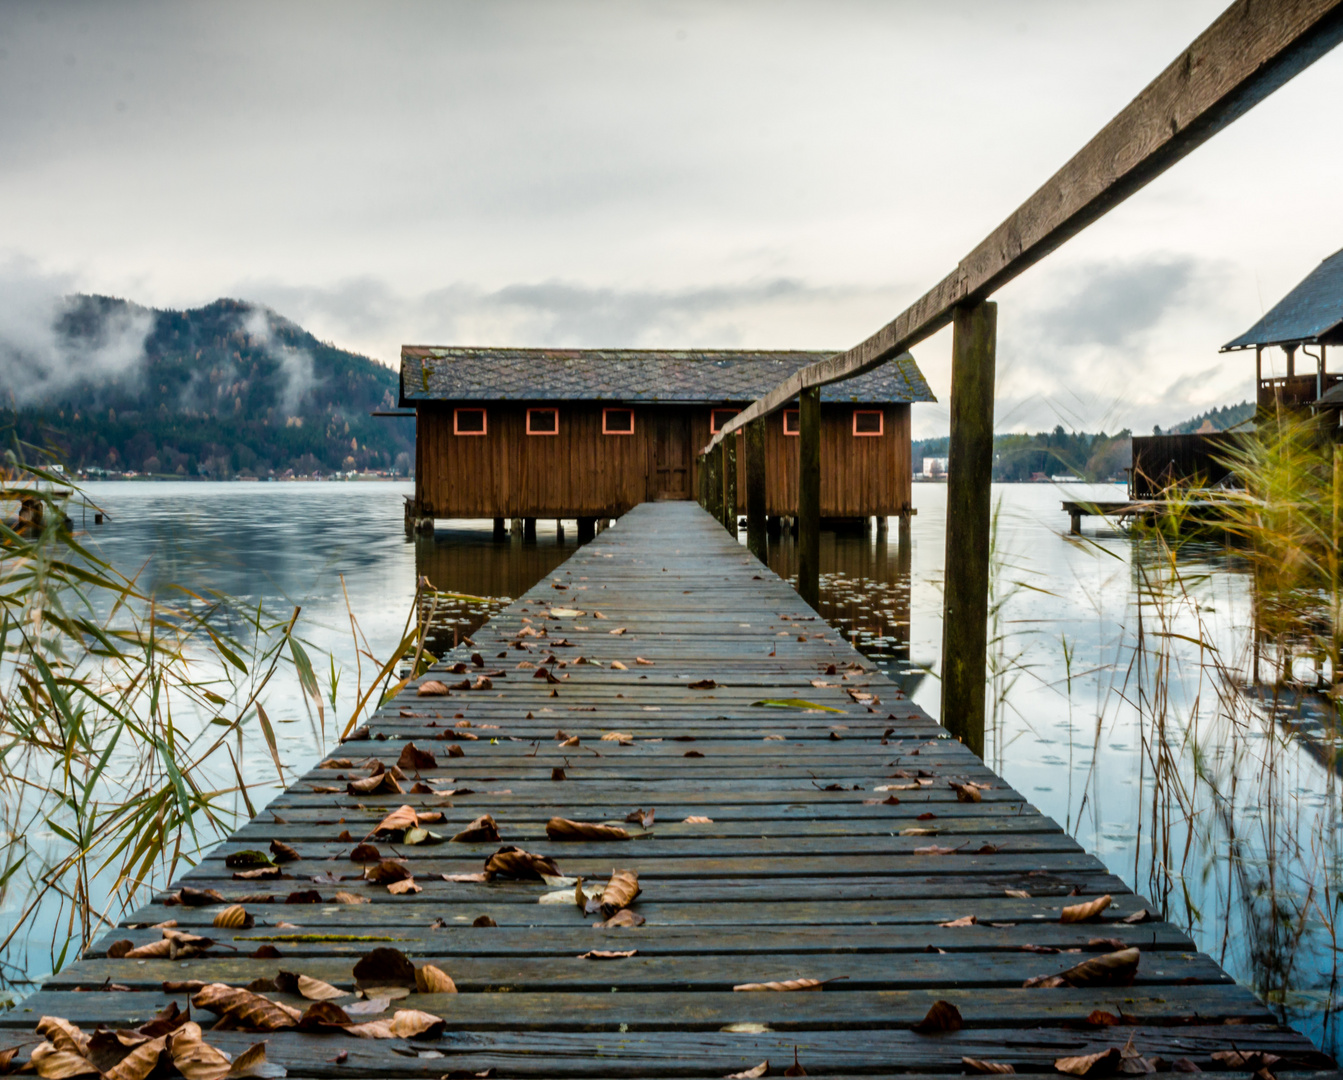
column 671, row 454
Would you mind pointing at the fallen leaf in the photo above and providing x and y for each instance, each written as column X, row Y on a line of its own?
column 746, row 1028
column 750, row 1074
column 703, row 684
column 283, row 853
column 617, row 736
column 484, row 920
column 456, row 751
column 795, row 1069
column 1020, row 894
column 199, row 897
column 1138, row 917
column 386, row 872
column 350, row 898
column 465, row 878
column 620, row 892
column 364, row 853
column 933, row 849
column 695, row 819
column 785, row 985
column 605, row 954
column 641, row 660
column 407, row 1023
column 412, row 757
column 562, row 830
column 246, row 1009
column 964, row 920
column 384, row 966
column 432, row 980
column 234, row 917
column 481, row 831
column 399, row 820
column 380, row 783
column 616, row 632
column 1075, row 913
column 370, row 1005
column 431, row 688
column 625, row 917
column 317, row 990
column 400, row 888
column 793, row 703
column 566, row 613
column 975, row 1065
column 1245, row 1059
column 513, row 862
column 1105, row 1063
column 942, row 1019
column 1112, row 969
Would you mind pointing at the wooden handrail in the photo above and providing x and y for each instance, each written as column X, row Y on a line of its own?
column 1250, row 50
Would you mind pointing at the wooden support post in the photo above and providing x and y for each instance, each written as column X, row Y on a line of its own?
column 515, row 528
column 809, row 495
column 905, row 514
column 965, row 603
column 529, row 528
column 755, row 489
column 729, row 446
column 713, row 482
column 587, row 529
column 559, row 530
column 498, row 528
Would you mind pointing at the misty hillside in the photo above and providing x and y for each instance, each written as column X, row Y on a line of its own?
column 228, row 389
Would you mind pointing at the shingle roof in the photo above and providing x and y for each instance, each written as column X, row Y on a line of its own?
column 430, row 373
column 1310, row 312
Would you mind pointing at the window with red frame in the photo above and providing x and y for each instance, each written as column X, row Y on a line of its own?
column 791, row 424
column 869, row 422
column 543, row 421
column 719, row 417
column 468, row 421
column 617, row 421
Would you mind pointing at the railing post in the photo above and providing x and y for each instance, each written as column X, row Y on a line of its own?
column 729, row 446
column 809, row 495
column 713, row 481
column 755, row 489
column 701, row 461
column 965, row 603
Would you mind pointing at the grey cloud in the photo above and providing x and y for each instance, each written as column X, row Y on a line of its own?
column 51, row 342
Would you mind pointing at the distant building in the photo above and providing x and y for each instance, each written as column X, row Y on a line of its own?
column 589, row 433
column 934, row 468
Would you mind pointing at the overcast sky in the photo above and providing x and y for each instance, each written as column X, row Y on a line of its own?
column 784, row 175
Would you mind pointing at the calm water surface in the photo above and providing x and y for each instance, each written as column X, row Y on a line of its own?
column 1224, row 818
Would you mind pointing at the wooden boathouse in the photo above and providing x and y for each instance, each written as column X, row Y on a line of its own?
column 589, row 433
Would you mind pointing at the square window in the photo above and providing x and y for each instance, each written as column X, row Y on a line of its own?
column 719, row 417
column 468, row 421
column 868, row 421
column 617, row 421
column 543, row 421
column 791, row 424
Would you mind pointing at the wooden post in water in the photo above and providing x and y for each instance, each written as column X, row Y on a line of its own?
column 729, row 446
column 965, row 601
column 713, row 482
column 499, row 532
column 809, row 495
column 755, row 489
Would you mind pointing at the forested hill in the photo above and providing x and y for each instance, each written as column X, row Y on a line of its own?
column 228, row 389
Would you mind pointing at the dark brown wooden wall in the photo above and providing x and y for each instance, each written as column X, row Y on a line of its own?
column 581, row 472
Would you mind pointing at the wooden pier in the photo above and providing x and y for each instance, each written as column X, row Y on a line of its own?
column 852, row 843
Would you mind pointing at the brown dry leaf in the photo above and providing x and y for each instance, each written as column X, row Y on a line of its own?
column 641, row 660
column 695, row 819
column 513, row 862
column 1138, row 916
column 750, row 1074
column 371, row 1005
column 964, row 920
column 53, row 1064
column 316, row 990
column 617, row 631
column 483, row 920
column 607, row 954
column 933, row 849
column 234, row 917
column 194, row 1058
column 407, row 885
column 245, row 1008
column 324, row 789
column 785, row 985
column 976, row 1065
column 625, row 917
column 464, row 878
column 399, row 820
column 703, row 684
column 1089, row 910
column 336, row 763
column 381, row 783
column 413, row 758
column 618, row 736
column 384, row 967
column 620, row 892
column 283, row 853
column 481, row 831
column 563, row 830
column 1019, row 894
column 1105, row 1063
column 433, row 980
column 350, row 898
column 1112, row 969
column 261, row 873
column 456, row 751
column 795, row 1069
column 365, row 853
column 942, row 1019
column 190, row 897
column 139, row 1063
column 557, row 773
column 386, row 872
column 431, row 688
column 964, row 792
column 911, row 832
column 118, row 949
column 63, row 1035
column 1253, row 1060
column 407, row 1023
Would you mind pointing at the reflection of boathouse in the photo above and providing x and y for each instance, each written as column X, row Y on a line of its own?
column 589, row 433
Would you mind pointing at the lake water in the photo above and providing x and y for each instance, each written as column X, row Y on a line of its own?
column 1109, row 710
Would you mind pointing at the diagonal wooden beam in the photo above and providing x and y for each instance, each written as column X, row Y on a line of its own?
column 1253, row 47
